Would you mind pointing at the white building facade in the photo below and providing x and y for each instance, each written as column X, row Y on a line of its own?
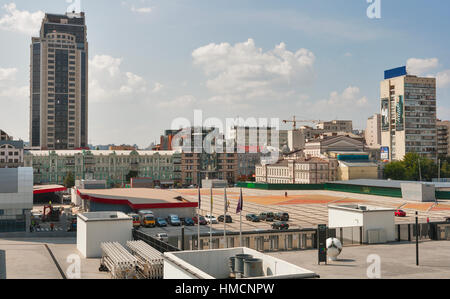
column 16, row 198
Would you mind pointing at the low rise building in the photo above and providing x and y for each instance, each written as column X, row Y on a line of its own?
column 336, row 126
column 11, row 151
column 355, row 165
column 377, row 224
column 4, row 136
column 161, row 202
column 298, row 171
column 357, row 170
column 11, row 154
column 95, row 228
column 322, row 146
column 51, row 167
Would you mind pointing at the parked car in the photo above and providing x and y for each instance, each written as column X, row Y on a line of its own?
column 447, row 219
column 400, row 213
column 202, row 220
column 211, row 219
column 148, row 220
column 36, row 216
column 174, row 220
column 136, row 220
column 187, row 222
column 253, row 218
column 281, row 225
column 282, row 216
column 163, row 237
column 229, row 219
column 267, row 216
column 160, row 222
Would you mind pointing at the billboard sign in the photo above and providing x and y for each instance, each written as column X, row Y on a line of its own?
column 385, row 153
column 400, row 119
column 385, row 114
column 397, row 72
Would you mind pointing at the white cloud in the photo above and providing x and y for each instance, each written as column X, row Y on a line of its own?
column 21, row 21
column 443, row 79
column 180, row 102
column 8, row 74
column 108, row 82
column 9, row 87
column 418, row 67
column 347, row 104
column 158, row 87
column 243, row 71
column 106, row 62
column 15, row 99
column 14, row 92
column 143, row 10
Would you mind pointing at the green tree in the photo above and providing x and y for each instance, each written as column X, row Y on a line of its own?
column 132, row 174
column 69, row 180
column 445, row 170
column 395, row 171
column 413, row 168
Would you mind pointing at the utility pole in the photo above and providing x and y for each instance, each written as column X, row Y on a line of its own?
column 420, row 171
column 439, row 170
column 182, row 238
column 417, row 238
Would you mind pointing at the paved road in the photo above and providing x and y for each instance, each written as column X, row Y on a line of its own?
column 398, row 261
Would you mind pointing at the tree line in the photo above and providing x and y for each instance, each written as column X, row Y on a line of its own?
column 415, row 167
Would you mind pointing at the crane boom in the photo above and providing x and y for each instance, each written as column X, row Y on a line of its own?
column 295, row 122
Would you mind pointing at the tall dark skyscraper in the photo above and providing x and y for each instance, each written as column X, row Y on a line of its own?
column 59, row 83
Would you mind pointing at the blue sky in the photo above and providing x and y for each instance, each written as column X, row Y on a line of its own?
column 154, row 61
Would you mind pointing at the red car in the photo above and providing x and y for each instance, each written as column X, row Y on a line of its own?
column 202, row 220
column 400, row 213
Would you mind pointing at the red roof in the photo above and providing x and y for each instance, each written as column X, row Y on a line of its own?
column 48, row 189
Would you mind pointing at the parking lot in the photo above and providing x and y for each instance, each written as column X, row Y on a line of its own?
column 308, row 208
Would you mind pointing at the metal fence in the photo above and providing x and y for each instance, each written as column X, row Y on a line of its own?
column 153, row 242
column 443, row 231
column 12, row 226
column 438, row 231
column 348, row 236
column 264, row 241
column 2, row 264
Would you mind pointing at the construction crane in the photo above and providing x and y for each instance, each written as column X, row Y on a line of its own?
column 295, row 122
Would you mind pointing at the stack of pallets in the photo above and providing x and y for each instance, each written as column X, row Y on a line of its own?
column 119, row 262
column 150, row 260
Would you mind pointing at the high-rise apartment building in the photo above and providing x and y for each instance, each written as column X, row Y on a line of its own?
column 443, row 136
column 408, row 114
column 253, row 139
column 59, row 84
column 373, row 131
